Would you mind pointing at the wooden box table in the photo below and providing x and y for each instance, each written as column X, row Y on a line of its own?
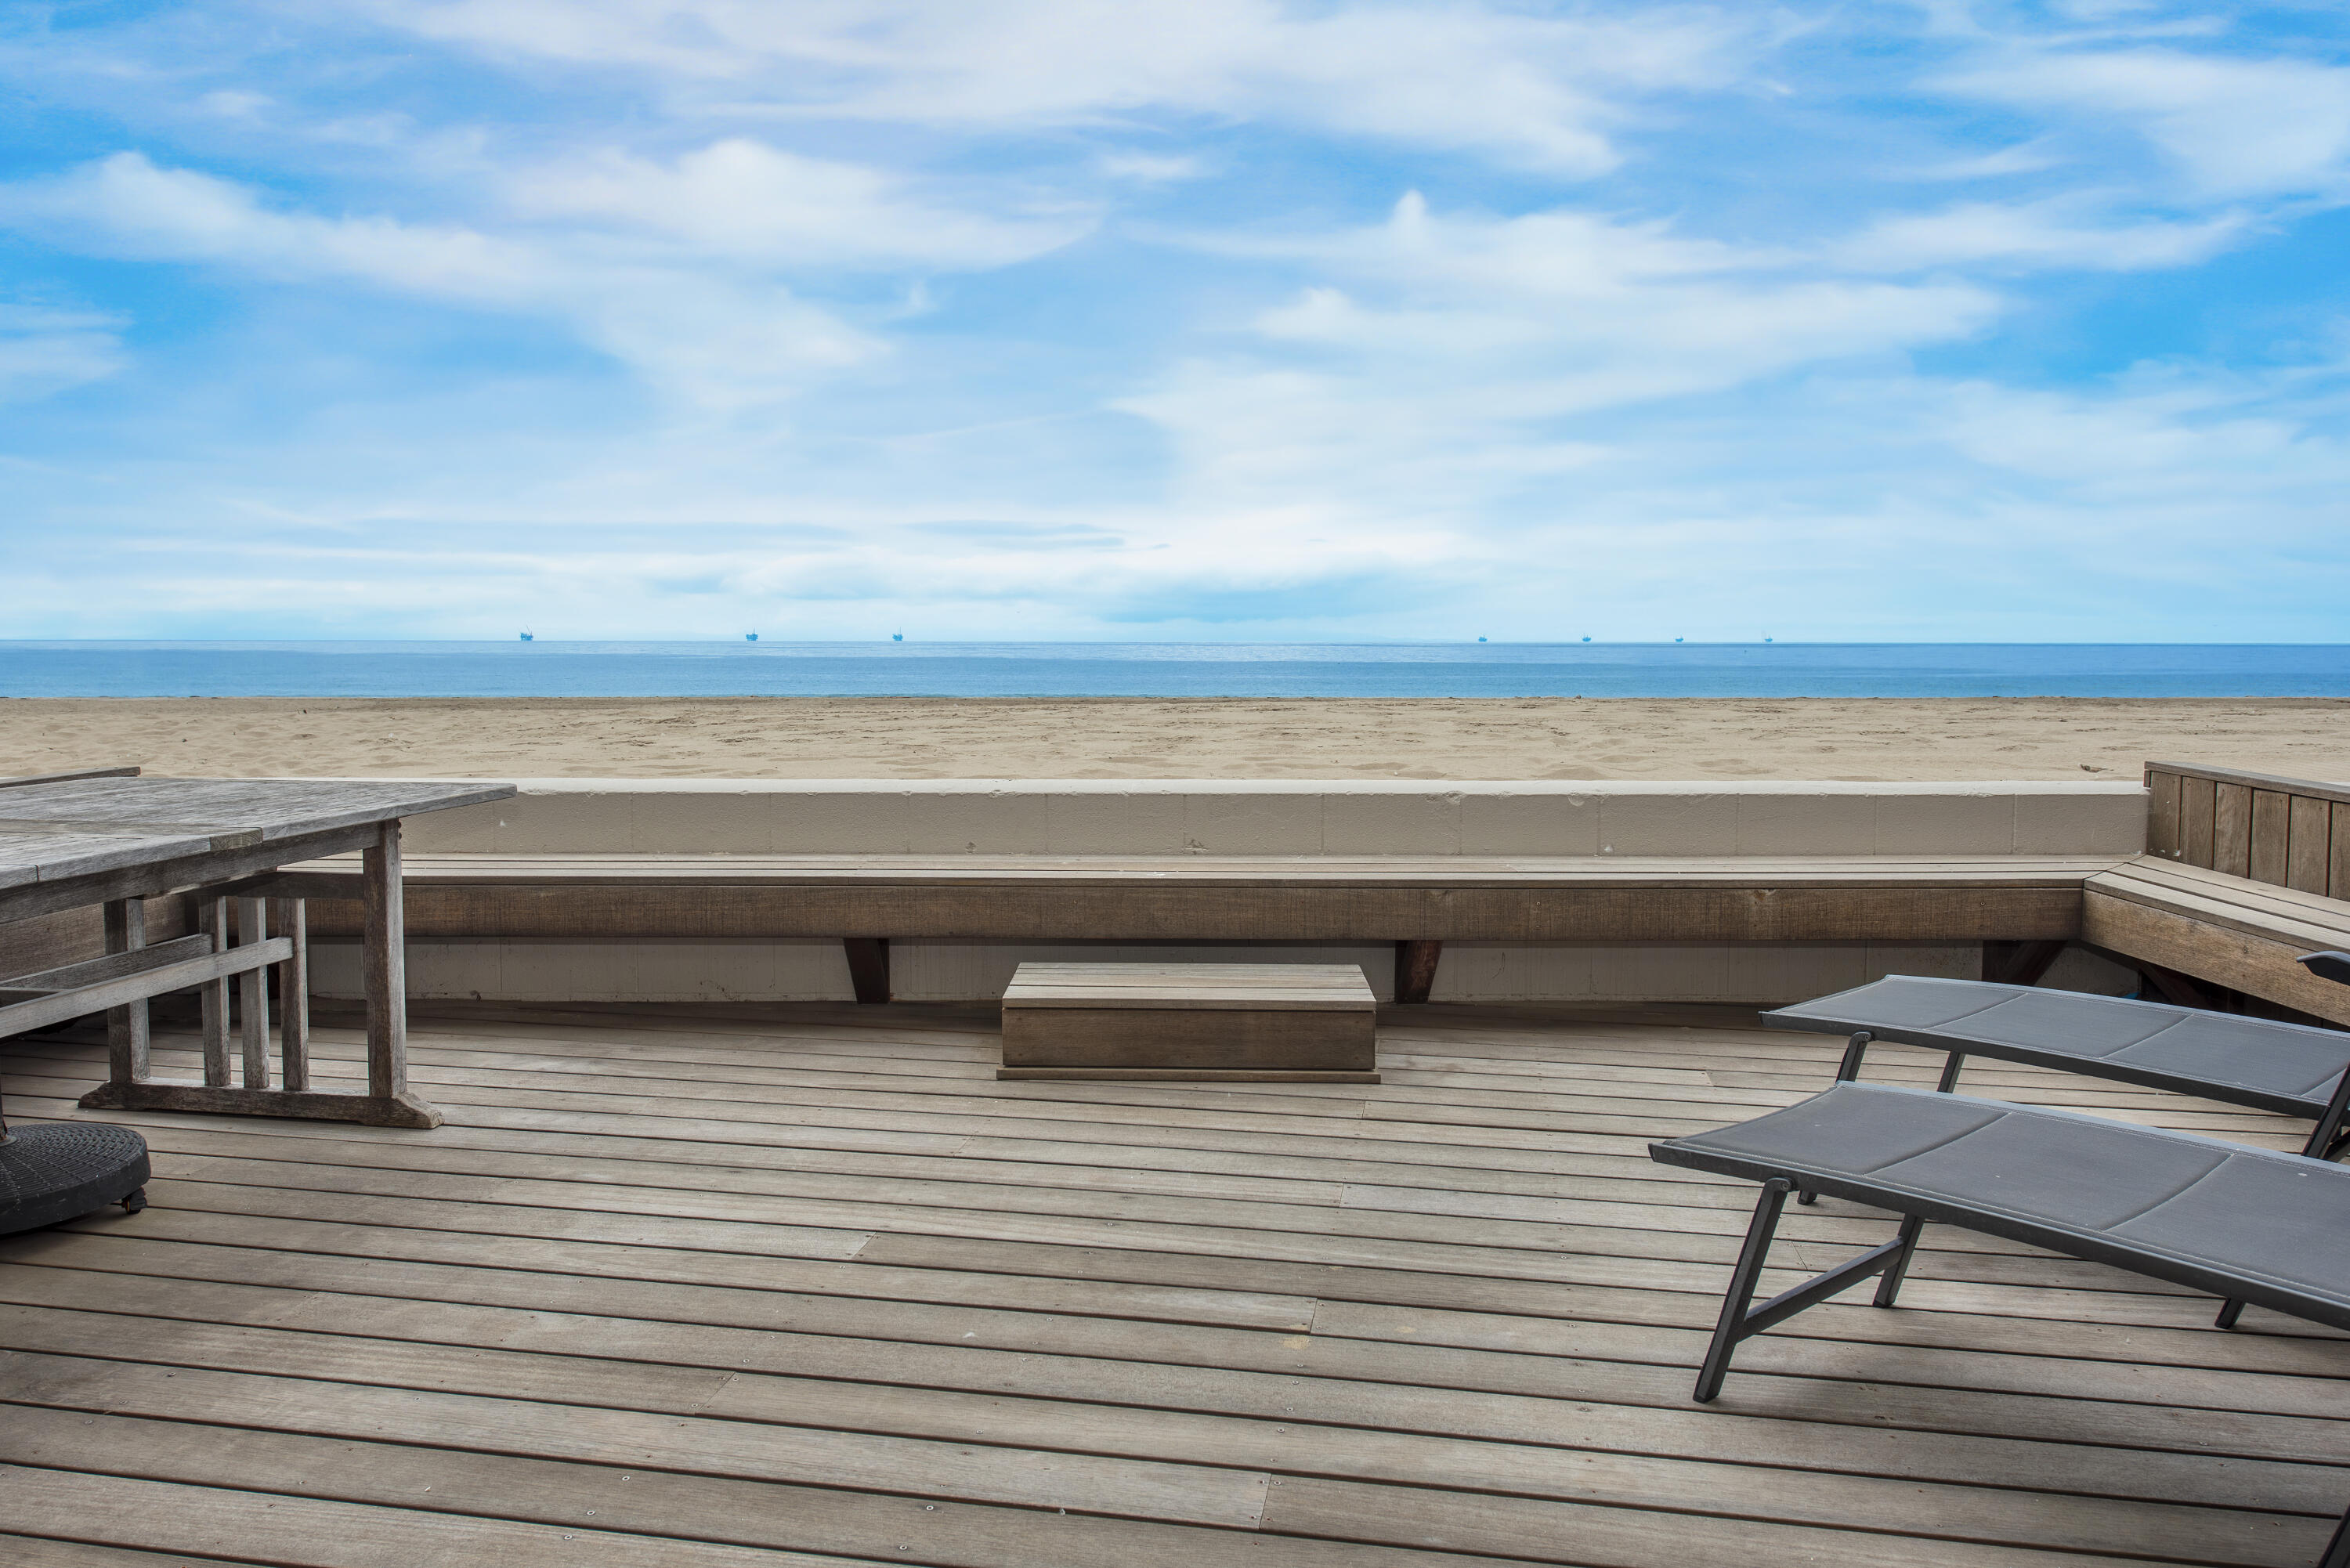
column 109, row 837
column 1252, row 1023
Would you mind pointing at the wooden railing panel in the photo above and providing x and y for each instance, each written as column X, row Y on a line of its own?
column 2309, row 845
column 2288, row 833
column 2231, row 829
column 2337, row 880
column 2271, row 824
column 2162, row 824
column 2196, row 798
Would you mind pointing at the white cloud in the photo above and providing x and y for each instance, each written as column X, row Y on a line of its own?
column 1149, row 169
column 743, row 198
column 1441, row 370
column 45, row 351
column 2236, row 127
column 2035, row 237
column 716, row 340
column 1536, row 89
column 124, row 205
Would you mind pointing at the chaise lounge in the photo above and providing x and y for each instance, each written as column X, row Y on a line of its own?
column 2246, row 1224
column 2292, row 1069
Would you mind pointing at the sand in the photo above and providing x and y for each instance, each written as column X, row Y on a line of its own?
column 1531, row 738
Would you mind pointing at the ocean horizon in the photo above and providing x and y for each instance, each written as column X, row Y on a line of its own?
column 52, row 668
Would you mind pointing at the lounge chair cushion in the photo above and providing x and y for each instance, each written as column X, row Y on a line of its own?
column 2213, row 1215
column 2290, row 1068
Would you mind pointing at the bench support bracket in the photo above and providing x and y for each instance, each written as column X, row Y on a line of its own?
column 1415, row 970
column 2019, row 963
column 869, row 966
column 1740, row 1322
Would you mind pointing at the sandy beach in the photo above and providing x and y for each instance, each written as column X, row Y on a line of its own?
column 1533, row 738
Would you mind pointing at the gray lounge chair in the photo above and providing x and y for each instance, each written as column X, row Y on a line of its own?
column 2293, row 1069
column 2242, row 1223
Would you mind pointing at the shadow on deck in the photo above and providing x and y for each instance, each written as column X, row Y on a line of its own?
column 797, row 1286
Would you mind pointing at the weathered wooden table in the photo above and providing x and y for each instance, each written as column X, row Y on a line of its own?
column 1287, row 1023
column 110, row 837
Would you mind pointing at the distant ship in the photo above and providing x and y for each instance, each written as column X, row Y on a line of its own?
column 750, row 637
column 526, row 637
column 896, row 637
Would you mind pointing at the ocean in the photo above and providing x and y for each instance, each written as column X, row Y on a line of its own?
column 1167, row 669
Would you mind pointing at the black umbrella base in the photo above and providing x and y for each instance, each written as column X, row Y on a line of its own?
column 62, row 1170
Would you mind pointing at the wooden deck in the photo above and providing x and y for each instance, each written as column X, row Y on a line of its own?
column 801, row 1286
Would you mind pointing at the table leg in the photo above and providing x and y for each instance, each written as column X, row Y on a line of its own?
column 126, row 1026
column 212, row 919
column 385, row 958
column 294, row 994
column 253, row 994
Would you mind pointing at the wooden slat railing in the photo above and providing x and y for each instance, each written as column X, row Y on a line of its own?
column 2291, row 833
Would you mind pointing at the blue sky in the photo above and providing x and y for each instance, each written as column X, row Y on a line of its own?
column 1170, row 319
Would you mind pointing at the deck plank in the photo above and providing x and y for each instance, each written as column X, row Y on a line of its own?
column 826, row 1294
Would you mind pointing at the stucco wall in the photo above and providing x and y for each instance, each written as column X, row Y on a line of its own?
column 1291, row 816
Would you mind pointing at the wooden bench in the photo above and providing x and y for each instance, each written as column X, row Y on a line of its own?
column 2017, row 905
column 2243, row 873
column 1245, row 1023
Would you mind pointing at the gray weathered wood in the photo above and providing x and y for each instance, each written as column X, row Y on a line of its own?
column 2231, row 828
column 113, row 966
column 397, row 1110
column 1196, row 1020
column 2309, row 835
column 2337, row 878
column 2318, row 788
column 327, row 1366
column 121, row 773
column 2162, row 823
column 2209, row 943
column 253, row 995
column 212, row 919
column 127, row 1025
column 206, row 971
column 1188, row 899
column 2267, row 852
column 1415, row 970
column 293, row 994
column 97, row 839
column 384, row 964
column 2197, row 807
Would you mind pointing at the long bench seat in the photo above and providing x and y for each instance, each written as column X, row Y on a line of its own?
column 1416, row 902
column 2175, row 918
column 1236, row 898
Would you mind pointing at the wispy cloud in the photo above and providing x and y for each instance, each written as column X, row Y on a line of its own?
column 45, row 350
column 1224, row 317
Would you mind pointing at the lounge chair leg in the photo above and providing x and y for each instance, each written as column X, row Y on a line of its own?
column 1889, row 1285
column 2230, row 1311
column 1740, row 1321
column 1848, row 1071
column 1743, row 1280
column 1950, row 1072
column 1854, row 1050
column 2326, row 1138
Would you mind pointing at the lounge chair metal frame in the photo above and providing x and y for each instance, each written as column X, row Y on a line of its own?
column 2327, row 1138
column 1889, row 1263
